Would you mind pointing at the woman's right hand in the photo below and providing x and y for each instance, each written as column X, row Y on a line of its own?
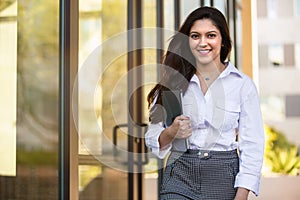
column 181, row 127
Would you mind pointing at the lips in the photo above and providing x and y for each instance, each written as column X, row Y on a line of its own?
column 204, row 51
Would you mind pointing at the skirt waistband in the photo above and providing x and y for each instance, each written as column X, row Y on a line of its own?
column 206, row 154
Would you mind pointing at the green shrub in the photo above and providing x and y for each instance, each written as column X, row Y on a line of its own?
column 280, row 154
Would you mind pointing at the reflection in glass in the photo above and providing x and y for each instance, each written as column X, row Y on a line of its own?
column 99, row 21
column 8, row 87
column 36, row 109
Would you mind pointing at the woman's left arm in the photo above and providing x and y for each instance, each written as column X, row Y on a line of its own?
column 241, row 194
column 250, row 140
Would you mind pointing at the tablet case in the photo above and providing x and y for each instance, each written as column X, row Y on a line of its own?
column 172, row 103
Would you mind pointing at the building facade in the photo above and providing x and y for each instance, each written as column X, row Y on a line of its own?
column 279, row 64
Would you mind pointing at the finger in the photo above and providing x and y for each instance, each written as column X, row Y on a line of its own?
column 185, row 126
column 178, row 119
column 184, row 134
column 186, row 123
column 184, row 117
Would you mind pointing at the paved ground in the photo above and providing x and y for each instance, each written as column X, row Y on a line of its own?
column 113, row 185
column 279, row 188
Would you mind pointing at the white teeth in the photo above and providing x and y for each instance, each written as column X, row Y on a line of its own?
column 203, row 51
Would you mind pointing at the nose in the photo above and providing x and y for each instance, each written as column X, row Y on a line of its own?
column 202, row 41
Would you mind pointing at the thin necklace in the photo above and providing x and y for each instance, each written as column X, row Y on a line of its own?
column 213, row 75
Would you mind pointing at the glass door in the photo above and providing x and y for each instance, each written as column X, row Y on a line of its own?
column 113, row 80
column 120, row 46
column 29, row 35
column 97, row 179
column 102, row 100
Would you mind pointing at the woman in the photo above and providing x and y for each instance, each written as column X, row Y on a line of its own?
column 221, row 119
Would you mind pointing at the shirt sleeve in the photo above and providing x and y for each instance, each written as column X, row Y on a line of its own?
column 151, row 139
column 251, row 140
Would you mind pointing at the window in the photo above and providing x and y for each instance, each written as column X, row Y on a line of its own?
column 29, row 35
column 273, row 107
column 297, row 8
column 292, row 106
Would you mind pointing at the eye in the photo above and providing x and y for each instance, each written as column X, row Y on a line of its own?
column 194, row 36
column 211, row 35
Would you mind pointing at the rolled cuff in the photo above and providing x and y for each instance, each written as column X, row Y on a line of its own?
column 161, row 153
column 249, row 182
column 151, row 139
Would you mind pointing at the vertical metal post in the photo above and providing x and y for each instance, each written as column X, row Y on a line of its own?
column 234, row 32
column 231, row 20
column 202, row 3
column 130, row 63
column 135, row 98
column 159, row 32
column 159, row 52
column 68, row 66
column 176, row 14
column 228, row 12
column 64, row 98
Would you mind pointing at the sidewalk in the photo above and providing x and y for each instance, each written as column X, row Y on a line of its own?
column 279, row 188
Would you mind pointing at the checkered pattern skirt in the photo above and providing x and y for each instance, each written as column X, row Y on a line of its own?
column 200, row 175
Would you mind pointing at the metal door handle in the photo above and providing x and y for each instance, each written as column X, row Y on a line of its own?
column 137, row 140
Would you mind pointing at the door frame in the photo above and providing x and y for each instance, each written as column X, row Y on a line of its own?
column 68, row 68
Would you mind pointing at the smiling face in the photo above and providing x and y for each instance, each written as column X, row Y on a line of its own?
column 205, row 42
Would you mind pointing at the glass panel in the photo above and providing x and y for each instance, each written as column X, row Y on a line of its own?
column 169, row 14
column 103, row 66
column 150, row 76
column 292, row 108
column 221, row 5
column 276, row 54
column 188, row 6
column 30, row 45
column 297, row 8
column 8, row 88
column 272, row 8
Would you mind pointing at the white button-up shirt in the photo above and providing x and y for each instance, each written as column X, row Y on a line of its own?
column 230, row 106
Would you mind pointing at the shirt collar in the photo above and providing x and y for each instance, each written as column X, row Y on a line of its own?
column 230, row 69
column 195, row 79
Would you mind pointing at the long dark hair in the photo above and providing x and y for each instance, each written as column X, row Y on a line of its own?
column 179, row 59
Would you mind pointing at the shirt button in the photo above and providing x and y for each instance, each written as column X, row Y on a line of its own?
column 205, row 154
column 199, row 153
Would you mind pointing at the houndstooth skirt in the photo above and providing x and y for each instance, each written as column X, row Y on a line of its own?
column 200, row 175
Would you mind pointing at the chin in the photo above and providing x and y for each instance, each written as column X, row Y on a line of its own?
column 206, row 62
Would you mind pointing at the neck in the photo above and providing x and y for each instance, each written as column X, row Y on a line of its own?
column 211, row 68
column 209, row 73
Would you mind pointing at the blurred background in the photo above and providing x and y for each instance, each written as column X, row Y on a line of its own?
column 71, row 109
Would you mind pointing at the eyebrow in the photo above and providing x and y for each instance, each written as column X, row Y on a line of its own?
column 206, row 32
